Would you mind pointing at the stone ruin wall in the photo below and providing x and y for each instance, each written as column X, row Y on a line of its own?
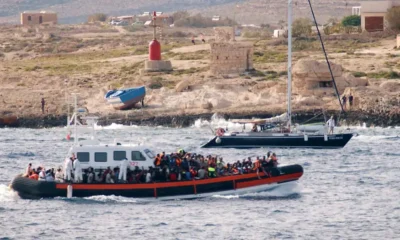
column 231, row 58
column 228, row 56
column 224, row 34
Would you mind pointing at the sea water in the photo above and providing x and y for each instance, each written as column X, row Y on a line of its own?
column 349, row 193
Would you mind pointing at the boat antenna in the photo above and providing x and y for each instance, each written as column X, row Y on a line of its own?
column 326, row 55
column 289, row 67
column 75, row 118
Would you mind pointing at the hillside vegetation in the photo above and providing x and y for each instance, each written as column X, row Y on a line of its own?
column 248, row 11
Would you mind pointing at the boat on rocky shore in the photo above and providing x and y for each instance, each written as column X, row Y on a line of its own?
column 9, row 121
column 125, row 98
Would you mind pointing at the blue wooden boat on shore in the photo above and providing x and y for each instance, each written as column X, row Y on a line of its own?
column 123, row 99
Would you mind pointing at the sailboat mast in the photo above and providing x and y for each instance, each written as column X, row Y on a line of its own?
column 289, row 67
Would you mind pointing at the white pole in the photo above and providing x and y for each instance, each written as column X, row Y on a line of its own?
column 289, row 88
column 75, row 120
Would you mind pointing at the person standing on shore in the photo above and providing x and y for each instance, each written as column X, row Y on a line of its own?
column 194, row 43
column 331, row 125
column 344, row 99
column 351, row 100
column 43, row 104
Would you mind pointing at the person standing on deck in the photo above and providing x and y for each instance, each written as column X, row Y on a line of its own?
column 123, row 170
column 77, row 171
column 331, row 125
column 68, row 169
column 43, row 102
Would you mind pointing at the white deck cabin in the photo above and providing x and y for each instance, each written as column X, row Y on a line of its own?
column 100, row 156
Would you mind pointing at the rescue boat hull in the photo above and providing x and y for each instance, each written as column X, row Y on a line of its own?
column 227, row 185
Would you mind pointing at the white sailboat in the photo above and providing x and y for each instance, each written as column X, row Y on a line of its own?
column 287, row 135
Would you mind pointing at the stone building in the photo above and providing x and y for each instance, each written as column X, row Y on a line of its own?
column 373, row 14
column 34, row 18
column 229, row 56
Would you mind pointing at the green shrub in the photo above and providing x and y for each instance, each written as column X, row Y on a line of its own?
column 257, row 73
column 256, row 34
column 180, row 15
column 97, row 17
column 268, row 57
column 201, row 22
column 387, row 75
column 352, row 20
column 156, row 83
column 301, row 27
column 359, row 74
column 134, row 28
column 393, row 18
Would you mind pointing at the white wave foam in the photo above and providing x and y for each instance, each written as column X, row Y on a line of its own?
column 284, row 190
column 226, row 196
column 218, row 121
column 113, row 126
column 7, row 194
column 279, row 191
column 102, row 198
column 369, row 138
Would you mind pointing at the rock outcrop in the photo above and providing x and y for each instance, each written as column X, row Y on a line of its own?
column 312, row 77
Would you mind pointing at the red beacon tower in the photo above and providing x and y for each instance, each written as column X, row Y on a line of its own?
column 154, row 46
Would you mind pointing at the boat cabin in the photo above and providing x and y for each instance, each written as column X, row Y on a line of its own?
column 93, row 154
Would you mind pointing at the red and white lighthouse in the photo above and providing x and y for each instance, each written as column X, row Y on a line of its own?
column 155, row 64
column 154, row 46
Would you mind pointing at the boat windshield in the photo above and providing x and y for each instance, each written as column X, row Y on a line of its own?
column 117, row 93
column 149, row 153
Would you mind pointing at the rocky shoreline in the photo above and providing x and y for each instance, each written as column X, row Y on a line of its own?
column 353, row 118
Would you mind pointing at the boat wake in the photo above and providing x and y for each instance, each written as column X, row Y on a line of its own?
column 7, row 195
column 286, row 191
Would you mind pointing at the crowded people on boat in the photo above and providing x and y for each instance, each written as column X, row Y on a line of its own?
column 177, row 166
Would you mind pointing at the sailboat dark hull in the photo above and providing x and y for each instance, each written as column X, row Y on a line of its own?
column 259, row 140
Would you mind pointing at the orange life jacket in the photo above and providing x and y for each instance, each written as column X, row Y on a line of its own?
column 178, row 162
column 193, row 172
column 34, row 176
column 157, row 161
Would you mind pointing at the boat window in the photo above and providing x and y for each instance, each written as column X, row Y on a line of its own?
column 100, row 157
column 119, row 155
column 83, row 156
column 138, row 156
column 149, row 153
